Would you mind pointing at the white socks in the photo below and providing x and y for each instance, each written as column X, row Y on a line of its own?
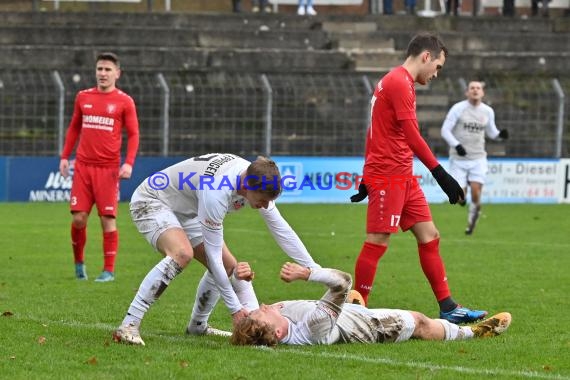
column 455, row 332
column 208, row 295
column 150, row 289
column 473, row 213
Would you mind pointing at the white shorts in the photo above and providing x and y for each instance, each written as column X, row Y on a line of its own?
column 387, row 318
column 153, row 217
column 465, row 171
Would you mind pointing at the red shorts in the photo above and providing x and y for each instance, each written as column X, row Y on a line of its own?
column 397, row 205
column 95, row 185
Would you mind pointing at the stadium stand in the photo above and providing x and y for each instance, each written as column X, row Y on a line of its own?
column 278, row 84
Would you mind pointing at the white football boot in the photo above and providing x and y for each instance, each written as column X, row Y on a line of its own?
column 128, row 334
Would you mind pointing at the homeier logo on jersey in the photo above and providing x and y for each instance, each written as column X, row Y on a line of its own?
column 290, row 173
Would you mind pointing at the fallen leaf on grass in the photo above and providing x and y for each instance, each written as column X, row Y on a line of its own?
column 92, row 360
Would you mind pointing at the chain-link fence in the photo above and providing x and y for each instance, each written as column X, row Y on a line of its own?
column 28, row 113
column 189, row 113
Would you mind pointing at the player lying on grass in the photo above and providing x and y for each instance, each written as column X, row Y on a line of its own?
column 332, row 320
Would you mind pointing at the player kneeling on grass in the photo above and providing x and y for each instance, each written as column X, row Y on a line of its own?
column 181, row 210
column 332, row 320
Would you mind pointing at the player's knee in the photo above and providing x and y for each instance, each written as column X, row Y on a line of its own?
column 108, row 223
column 79, row 220
column 378, row 238
column 432, row 233
column 435, row 234
column 421, row 324
column 181, row 255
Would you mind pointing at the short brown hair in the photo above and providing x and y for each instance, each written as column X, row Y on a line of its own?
column 426, row 41
column 251, row 332
column 263, row 175
column 108, row 56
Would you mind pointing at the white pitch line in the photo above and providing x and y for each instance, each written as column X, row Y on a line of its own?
column 412, row 364
column 327, row 355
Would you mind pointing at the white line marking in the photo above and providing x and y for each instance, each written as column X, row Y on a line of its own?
column 412, row 364
column 327, row 355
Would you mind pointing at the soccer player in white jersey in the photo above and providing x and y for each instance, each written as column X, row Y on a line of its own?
column 464, row 130
column 331, row 320
column 181, row 210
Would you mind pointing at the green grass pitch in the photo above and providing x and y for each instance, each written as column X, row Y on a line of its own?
column 53, row 326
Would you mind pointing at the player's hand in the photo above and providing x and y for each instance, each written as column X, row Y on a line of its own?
column 238, row 316
column 64, row 167
column 243, row 272
column 460, row 150
column 292, row 271
column 361, row 195
column 448, row 184
column 125, row 171
column 504, row 134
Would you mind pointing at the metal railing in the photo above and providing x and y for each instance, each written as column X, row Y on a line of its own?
column 188, row 113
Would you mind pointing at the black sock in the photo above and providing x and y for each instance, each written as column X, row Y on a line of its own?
column 447, row 304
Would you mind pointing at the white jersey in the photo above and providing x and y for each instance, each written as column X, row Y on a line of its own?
column 330, row 320
column 467, row 125
column 205, row 184
column 204, row 190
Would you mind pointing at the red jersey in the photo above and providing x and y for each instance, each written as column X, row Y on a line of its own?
column 97, row 121
column 394, row 100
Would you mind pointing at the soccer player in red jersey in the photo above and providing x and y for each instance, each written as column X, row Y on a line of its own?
column 392, row 140
column 99, row 116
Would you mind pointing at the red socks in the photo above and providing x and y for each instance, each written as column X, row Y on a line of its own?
column 430, row 260
column 78, row 239
column 110, row 247
column 365, row 268
column 433, row 268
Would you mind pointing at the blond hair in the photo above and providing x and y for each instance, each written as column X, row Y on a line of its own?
column 251, row 332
